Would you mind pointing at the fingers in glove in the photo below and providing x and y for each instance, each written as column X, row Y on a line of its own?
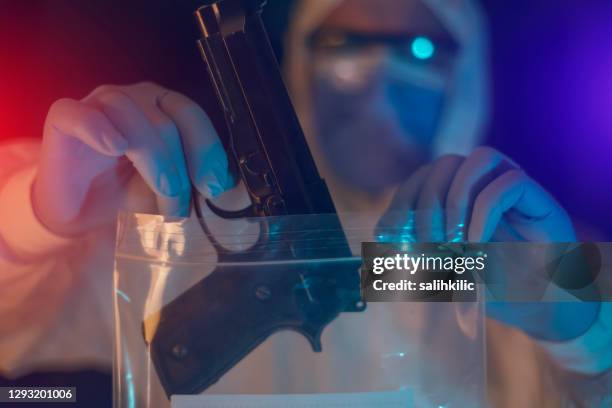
column 517, row 194
column 206, row 159
column 71, row 118
column 475, row 173
column 430, row 214
column 146, row 148
column 399, row 216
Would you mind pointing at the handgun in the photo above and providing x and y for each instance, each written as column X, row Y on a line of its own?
column 208, row 329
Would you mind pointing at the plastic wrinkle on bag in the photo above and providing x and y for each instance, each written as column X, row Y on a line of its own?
column 388, row 355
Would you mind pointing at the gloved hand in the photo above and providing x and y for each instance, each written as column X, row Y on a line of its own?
column 480, row 198
column 125, row 147
column 487, row 197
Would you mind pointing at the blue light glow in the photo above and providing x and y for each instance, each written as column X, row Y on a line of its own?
column 423, row 48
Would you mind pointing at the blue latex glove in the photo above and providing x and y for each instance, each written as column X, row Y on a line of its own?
column 487, row 197
column 121, row 147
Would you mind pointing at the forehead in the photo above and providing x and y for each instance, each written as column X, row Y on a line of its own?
column 385, row 16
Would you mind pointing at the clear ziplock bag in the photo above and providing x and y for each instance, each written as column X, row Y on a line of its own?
column 196, row 328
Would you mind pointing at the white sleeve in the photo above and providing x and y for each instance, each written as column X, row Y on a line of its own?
column 44, row 291
column 590, row 353
column 22, row 233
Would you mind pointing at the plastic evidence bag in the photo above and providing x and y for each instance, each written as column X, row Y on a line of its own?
column 395, row 354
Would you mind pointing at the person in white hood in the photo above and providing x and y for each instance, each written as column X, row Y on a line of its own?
column 393, row 97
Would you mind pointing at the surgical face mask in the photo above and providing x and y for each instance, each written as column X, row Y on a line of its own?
column 376, row 111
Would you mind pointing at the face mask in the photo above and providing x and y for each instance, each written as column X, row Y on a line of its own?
column 376, row 114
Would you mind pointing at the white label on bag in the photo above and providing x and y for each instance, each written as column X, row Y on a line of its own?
column 389, row 399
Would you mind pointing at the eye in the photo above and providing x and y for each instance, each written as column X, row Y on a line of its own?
column 422, row 48
column 332, row 40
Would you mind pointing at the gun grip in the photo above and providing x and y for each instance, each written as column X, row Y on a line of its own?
column 200, row 335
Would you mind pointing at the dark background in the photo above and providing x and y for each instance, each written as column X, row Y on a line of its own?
column 552, row 89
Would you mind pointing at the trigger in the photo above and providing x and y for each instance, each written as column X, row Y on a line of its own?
column 228, row 214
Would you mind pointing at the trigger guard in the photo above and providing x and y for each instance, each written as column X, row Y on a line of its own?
column 246, row 212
